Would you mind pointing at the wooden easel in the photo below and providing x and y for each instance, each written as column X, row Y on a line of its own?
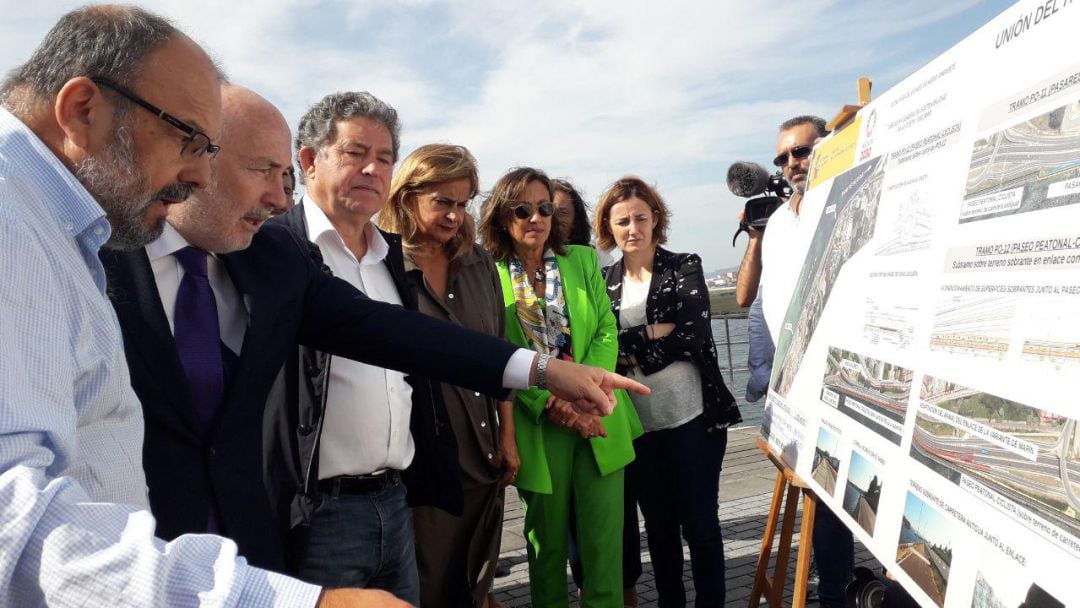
column 846, row 113
column 788, row 485
column 785, row 500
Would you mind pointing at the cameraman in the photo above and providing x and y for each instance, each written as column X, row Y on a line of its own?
column 779, row 264
column 794, row 144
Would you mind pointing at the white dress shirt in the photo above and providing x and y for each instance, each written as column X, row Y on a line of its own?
column 231, row 309
column 368, row 408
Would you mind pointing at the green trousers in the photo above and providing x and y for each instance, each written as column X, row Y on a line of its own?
column 598, row 504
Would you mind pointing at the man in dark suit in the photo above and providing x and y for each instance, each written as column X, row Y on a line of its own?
column 206, row 334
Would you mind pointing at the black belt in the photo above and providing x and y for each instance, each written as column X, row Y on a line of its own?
column 360, row 484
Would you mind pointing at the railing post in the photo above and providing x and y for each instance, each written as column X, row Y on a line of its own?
column 727, row 342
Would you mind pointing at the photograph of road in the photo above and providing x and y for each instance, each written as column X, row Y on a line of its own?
column 1025, row 167
column 862, row 492
column 924, row 549
column 1028, row 455
column 846, row 225
column 974, row 325
column 871, row 392
column 826, row 460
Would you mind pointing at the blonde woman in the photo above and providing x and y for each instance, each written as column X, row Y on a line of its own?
column 456, row 281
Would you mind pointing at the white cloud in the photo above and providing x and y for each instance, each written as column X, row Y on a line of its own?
column 673, row 91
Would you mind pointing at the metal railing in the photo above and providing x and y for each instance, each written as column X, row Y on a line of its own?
column 731, row 369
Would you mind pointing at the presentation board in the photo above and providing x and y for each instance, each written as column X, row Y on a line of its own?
column 927, row 373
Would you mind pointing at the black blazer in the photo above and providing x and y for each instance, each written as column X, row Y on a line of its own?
column 290, row 301
column 434, row 476
column 677, row 294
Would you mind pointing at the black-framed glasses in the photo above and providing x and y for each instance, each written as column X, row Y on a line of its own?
column 798, row 153
column 196, row 143
column 524, row 211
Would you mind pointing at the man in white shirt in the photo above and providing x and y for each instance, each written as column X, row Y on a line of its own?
column 781, row 261
column 379, row 425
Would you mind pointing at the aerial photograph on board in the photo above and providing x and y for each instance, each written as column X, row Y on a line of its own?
column 871, row 392
column 845, row 227
column 1028, row 455
column 1026, row 167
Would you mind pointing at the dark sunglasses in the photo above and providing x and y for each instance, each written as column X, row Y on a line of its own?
column 196, row 143
column 798, row 153
column 524, row 211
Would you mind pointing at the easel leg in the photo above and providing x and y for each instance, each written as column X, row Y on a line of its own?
column 783, row 552
column 761, row 574
column 806, row 543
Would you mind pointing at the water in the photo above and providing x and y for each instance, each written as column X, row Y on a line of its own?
column 908, row 536
column 851, row 497
column 736, row 381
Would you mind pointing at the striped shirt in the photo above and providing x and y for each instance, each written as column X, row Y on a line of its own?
column 74, row 529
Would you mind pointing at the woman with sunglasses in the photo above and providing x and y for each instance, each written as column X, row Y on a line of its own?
column 556, row 304
column 661, row 305
column 455, row 280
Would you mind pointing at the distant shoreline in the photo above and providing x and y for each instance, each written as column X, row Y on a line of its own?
column 722, row 301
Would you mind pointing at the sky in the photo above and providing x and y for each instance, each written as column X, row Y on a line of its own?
column 673, row 92
column 862, row 471
column 928, row 522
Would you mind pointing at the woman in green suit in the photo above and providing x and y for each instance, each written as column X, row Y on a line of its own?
column 556, row 303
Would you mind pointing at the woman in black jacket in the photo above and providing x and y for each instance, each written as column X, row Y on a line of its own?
column 661, row 303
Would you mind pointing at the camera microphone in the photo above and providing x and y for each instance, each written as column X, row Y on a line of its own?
column 746, row 179
column 751, row 180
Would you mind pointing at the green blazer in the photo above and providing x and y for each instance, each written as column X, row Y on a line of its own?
column 594, row 339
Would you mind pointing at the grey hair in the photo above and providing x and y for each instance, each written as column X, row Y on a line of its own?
column 817, row 121
column 95, row 41
column 318, row 126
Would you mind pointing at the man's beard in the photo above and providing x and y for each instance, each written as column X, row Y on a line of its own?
column 800, row 186
column 116, row 181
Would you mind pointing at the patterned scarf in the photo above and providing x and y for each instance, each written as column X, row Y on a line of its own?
column 545, row 322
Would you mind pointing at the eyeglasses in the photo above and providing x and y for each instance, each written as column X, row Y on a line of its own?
column 798, row 153
column 196, row 143
column 524, row 211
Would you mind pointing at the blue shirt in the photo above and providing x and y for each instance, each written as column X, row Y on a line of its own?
column 74, row 529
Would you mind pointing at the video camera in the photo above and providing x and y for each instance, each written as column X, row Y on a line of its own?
column 766, row 192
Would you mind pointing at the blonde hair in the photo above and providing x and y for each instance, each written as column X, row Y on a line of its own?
column 426, row 166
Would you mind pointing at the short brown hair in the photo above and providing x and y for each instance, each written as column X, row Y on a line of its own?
column 425, row 166
column 625, row 189
column 507, row 191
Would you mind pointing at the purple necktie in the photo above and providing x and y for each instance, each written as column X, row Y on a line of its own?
column 198, row 339
column 198, row 342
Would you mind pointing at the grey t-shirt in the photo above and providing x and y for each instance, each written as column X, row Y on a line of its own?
column 676, row 389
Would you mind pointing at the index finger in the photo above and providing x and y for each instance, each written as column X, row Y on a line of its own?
column 612, row 381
